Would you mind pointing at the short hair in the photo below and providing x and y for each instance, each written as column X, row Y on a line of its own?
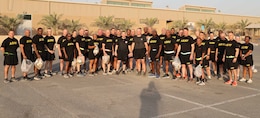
column 202, row 33
column 231, row 32
column 186, row 29
column 39, row 29
column 248, row 37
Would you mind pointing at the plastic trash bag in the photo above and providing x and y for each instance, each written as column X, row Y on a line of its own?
column 198, row 71
column 106, row 59
column 176, row 63
column 39, row 63
column 96, row 50
column 26, row 65
column 74, row 62
column 80, row 60
column 254, row 69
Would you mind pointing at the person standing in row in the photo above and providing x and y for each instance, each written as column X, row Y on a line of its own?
column 130, row 57
column 50, row 53
column 26, row 50
column 221, row 46
column 162, row 38
column 93, row 57
column 108, row 50
column 39, row 51
column 9, row 49
column 61, row 40
column 81, row 50
column 213, row 52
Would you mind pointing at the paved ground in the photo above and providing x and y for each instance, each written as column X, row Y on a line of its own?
column 128, row 96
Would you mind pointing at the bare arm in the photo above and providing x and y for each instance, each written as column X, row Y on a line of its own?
column 22, row 51
column 78, row 48
column 178, row 51
column 3, row 50
column 36, row 51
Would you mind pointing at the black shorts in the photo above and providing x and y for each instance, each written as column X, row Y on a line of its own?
column 91, row 55
column 204, row 64
column 219, row 61
column 29, row 56
column 212, row 57
column 230, row 65
column 153, row 55
column 185, row 59
column 82, row 52
column 11, row 60
column 100, row 54
column 248, row 62
column 49, row 56
column 42, row 54
column 70, row 57
column 162, row 52
column 168, row 57
column 62, row 55
column 139, row 53
column 122, row 55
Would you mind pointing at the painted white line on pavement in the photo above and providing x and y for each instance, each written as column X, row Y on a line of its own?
column 201, row 106
column 249, row 88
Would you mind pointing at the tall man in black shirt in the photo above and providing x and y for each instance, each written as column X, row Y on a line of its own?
column 162, row 38
column 26, row 49
column 230, row 59
column 50, row 56
column 39, row 51
column 8, row 48
column 213, row 52
column 61, row 40
column 81, row 49
column 108, row 50
column 221, row 46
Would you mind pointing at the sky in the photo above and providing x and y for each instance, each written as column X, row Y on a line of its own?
column 237, row 7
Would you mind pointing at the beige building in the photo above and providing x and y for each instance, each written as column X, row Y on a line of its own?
column 192, row 8
column 88, row 12
column 134, row 3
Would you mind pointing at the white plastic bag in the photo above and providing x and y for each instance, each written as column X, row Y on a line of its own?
column 80, row 60
column 176, row 63
column 74, row 62
column 198, row 71
column 254, row 69
column 39, row 63
column 96, row 50
column 106, row 59
column 26, row 65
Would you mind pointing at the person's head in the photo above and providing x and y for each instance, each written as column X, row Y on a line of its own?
column 11, row 34
column 86, row 33
column 39, row 31
column 100, row 32
column 118, row 32
column 81, row 32
column 113, row 31
column 27, row 33
column 65, row 32
column 94, row 36
column 237, row 38
column 211, row 35
column 247, row 39
column 132, row 32
column 154, row 32
column 123, row 34
column 202, row 35
column 74, row 33
column 107, row 33
column 145, row 29
column 230, row 35
column 222, row 35
column 49, row 32
column 150, row 30
column 197, row 33
column 163, row 31
column 139, row 31
column 220, row 32
column 199, row 41
column 128, row 32
column 168, row 33
column 172, row 31
column 180, row 32
column 185, row 31
column 69, row 36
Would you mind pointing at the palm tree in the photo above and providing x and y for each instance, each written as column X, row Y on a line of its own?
column 150, row 22
column 104, row 22
column 71, row 25
column 242, row 25
column 10, row 23
column 123, row 24
column 51, row 21
column 180, row 24
column 207, row 23
column 221, row 26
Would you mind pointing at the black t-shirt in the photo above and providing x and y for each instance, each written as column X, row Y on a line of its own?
column 205, row 45
column 69, row 46
column 10, row 46
column 38, row 40
column 81, row 40
column 131, row 39
column 174, row 36
column 213, row 45
column 162, row 37
column 49, row 42
column 139, row 42
column 221, row 44
column 231, row 47
column 87, row 39
column 100, row 40
column 185, row 43
column 123, row 44
column 27, row 42
column 169, row 44
column 246, row 47
column 178, row 38
column 61, row 40
column 154, row 43
column 108, row 41
column 198, row 50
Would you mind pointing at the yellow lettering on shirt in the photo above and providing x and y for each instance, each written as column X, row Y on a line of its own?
column 83, row 39
column 185, row 40
column 153, row 41
column 131, row 39
column 162, row 38
column 96, row 43
column 167, row 42
column 221, row 44
column 174, row 37
column 211, row 43
column 109, row 40
column 28, row 41
column 228, row 45
column 244, row 47
column 13, row 43
column 70, row 44
column 203, row 43
column 100, row 39
column 50, row 40
column 41, row 39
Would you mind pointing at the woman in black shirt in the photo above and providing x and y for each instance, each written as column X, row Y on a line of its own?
column 69, row 50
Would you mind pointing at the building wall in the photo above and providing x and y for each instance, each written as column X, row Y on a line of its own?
column 87, row 13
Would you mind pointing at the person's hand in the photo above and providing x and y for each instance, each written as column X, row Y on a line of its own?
column 38, row 56
column 66, row 56
column 24, row 57
column 191, row 57
column 207, row 57
column 130, row 54
column 243, row 58
column 146, row 53
column 234, row 60
column 80, row 54
column 60, row 55
column 223, row 59
column 200, row 62
column 51, row 51
column 116, row 54
column 105, row 54
column 216, row 58
column 157, row 56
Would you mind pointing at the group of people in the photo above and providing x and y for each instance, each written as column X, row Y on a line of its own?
column 114, row 51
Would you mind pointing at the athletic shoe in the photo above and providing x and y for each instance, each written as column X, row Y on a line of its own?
column 104, row 73
column 220, row 78
column 209, row 77
column 166, row 76
column 228, row 82
column 47, row 74
column 53, row 73
column 79, row 74
column 201, row 83
column 95, row 73
column 110, row 72
column 234, row 83
column 37, row 78
column 157, row 76
column 91, row 74
column 242, row 80
column 249, row 81
column 123, row 72
column 174, row 77
column 114, row 71
column 178, row 75
column 6, row 81
column 117, row 72
column 60, row 73
column 151, row 75
column 198, row 82
column 13, row 79
column 66, row 76
column 24, row 79
column 70, row 75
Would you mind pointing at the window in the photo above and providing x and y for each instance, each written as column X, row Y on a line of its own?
column 140, row 5
column 118, row 3
column 192, row 9
column 27, row 17
column 208, row 11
